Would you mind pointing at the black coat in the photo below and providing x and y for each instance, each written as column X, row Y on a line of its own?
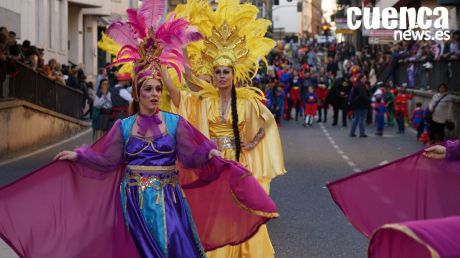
column 338, row 95
column 360, row 98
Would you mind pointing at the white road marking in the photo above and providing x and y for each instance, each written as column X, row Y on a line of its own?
column 383, row 163
column 339, row 151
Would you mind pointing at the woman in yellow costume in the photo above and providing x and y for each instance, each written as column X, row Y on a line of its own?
column 226, row 111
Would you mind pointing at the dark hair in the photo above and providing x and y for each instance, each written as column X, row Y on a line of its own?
column 15, row 50
column 418, row 104
column 134, row 105
column 99, row 88
column 443, row 84
column 236, row 131
column 378, row 99
column 12, row 33
column 26, row 43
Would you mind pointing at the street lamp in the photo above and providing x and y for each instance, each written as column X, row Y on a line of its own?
column 326, row 29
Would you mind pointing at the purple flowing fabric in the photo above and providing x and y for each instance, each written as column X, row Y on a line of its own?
column 421, row 239
column 228, row 204
column 412, row 188
column 73, row 209
column 65, row 209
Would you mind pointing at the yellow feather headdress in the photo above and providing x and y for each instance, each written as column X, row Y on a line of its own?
column 233, row 37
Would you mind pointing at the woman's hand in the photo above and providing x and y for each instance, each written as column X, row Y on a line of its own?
column 214, row 153
column 66, row 155
column 435, row 152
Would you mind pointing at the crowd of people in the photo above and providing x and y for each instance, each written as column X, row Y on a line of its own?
column 72, row 75
column 313, row 78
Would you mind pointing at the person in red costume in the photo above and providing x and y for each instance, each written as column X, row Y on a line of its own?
column 401, row 108
column 294, row 94
column 321, row 92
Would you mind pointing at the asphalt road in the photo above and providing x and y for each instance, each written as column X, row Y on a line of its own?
column 311, row 225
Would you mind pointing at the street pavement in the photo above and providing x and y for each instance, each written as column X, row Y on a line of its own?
column 310, row 225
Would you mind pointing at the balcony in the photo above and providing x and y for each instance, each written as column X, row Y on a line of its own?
column 87, row 3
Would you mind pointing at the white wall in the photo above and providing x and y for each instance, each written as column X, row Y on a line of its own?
column 90, row 45
column 285, row 16
column 75, row 18
column 44, row 24
column 26, row 9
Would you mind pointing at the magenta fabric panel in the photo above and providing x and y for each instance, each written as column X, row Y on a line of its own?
column 392, row 243
column 228, row 204
column 442, row 235
column 412, row 188
column 230, row 208
column 65, row 210
column 453, row 150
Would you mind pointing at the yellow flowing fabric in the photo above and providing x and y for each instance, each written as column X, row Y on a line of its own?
column 265, row 160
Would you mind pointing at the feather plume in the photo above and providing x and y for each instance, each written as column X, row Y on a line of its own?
column 128, row 51
column 122, row 34
column 137, row 22
column 109, row 45
column 152, row 11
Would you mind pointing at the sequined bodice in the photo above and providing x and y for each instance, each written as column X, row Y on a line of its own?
column 159, row 151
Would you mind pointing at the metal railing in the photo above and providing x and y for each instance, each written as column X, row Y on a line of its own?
column 447, row 72
column 38, row 89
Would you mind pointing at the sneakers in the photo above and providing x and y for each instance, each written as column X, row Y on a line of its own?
column 363, row 136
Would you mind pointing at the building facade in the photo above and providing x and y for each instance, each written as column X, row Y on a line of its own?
column 67, row 30
column 312, row 18
column 285, row 17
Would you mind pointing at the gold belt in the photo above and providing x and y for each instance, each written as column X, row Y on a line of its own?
column 151, row 169
column 143, row 182
column 224, row 142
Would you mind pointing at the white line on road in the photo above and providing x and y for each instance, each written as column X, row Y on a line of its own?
column 351, row 164
column 337, row 148
column 383, row 163
column 46, row 148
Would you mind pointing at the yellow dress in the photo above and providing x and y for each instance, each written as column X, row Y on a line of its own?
column 265, row 160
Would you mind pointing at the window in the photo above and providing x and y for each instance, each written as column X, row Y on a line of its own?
column 52, row 24
column 40, row 12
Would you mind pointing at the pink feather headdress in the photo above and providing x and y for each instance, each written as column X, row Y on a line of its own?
column 148, row 43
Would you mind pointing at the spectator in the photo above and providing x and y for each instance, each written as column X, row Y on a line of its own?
column 102, row 75
column 72, row 80
column 90, row 100
column 50, row 68
column 360, row 101
column 57, row 72
column 103, row 105
column 338, row 98
column 440, row 107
